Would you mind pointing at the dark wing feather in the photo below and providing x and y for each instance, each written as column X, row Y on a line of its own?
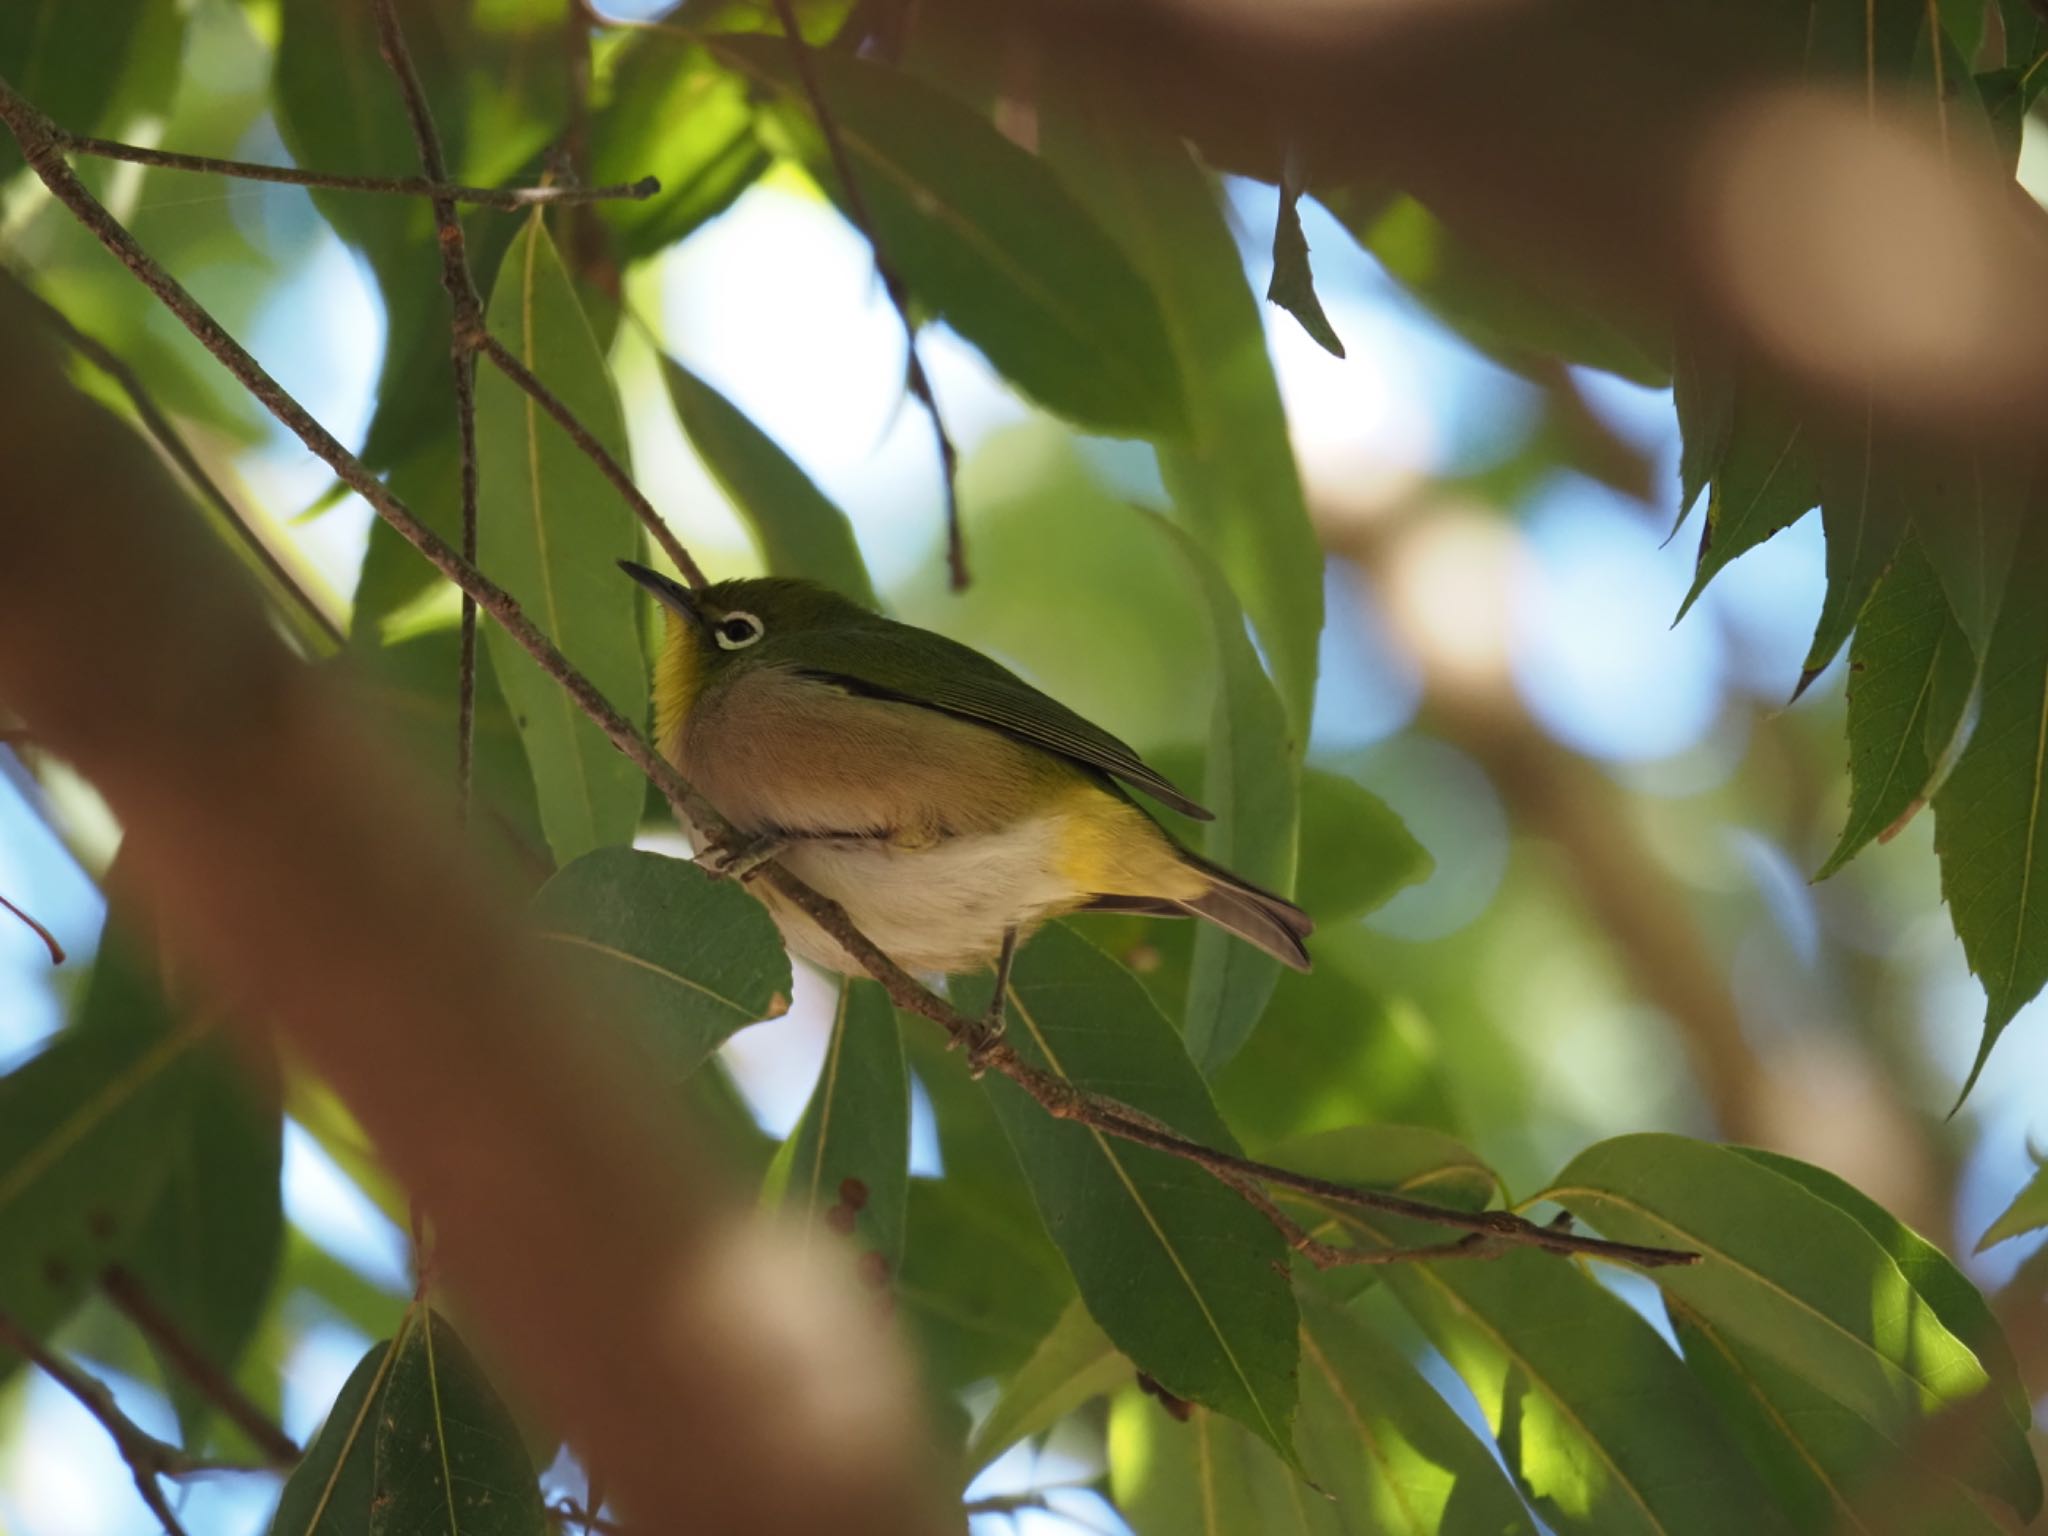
column 915, row 666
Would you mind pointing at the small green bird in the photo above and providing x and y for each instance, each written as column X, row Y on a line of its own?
column 945, row 803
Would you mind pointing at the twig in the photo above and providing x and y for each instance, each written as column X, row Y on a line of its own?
column 512, row 199
column 523, row 376
column 567, row 1511
column 899, row 296
column 175, row 448
column 467, row 323
column 1056, row 1095
column 215, row 1385
column 49, row 939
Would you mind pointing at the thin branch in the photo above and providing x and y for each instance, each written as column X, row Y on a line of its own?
column 523, row 376
column 567, row 1511
column 899, row 296
column 467, row 323
column 439, row 188
column 49, row 939
column 1055, row 1094
column 134, row 1302
column 174, row 447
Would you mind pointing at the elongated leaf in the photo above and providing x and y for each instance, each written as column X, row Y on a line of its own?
column 1990, row 830
column 983, row 234
column 1703, row 392
column 1911, row 671
column 1253, row 784
column 83, row 1127
column 551, row 531
column 978, row 1289
column 1864, row 509
column 1182, row 1275
column 1204, row 1476
column 1072, row 1364
column 1968, row 515
column 1766, row 482
column 1796, row 1279
column 331, row 1490
column 851, row 1148
column 686, row 959
column 2027, row 1213
column 449, row 1456
column 1293, row 286
column 800, row 530
column 676, row 116
column 1355, row 851
column 66, row 58
column 1232, row 476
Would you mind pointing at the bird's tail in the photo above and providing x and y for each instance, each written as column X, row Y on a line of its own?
column 1257, row 916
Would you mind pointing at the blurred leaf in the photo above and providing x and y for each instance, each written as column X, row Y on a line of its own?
column 331, row 1490
column 800, row 530
column 1293, row 286
column 674, row 114
column 1968, row 516
column 982, row 232
column 2027, row 1213
column 978, row 1288
column 1253, row 784
column 1766, row 482
column 210, row 1249
column 2026, row 31
column 1703, row 391
column 1910, row 678
column 551, row 532
column 1795, row 1278
column 83, row 1131
column 395, row 582
column 67, row 59
column 1356, row 853
column 1183, row 1275
column 1863, row 508
column 449, row 1457
column 855, row 1131
column 1989, row 830
column 1510, row 315
column 1073, row 1363
column 684, row 958
column 1232, row 477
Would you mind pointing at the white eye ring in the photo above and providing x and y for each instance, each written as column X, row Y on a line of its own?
column 737, row 630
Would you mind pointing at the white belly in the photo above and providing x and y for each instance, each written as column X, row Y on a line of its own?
column 941, row 909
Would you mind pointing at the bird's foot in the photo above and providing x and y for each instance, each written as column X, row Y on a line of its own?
column 739, row 859
column 988, row 1034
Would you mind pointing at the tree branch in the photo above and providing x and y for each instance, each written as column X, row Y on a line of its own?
column 49, row 939
column 512, row 199
column 134, row 1302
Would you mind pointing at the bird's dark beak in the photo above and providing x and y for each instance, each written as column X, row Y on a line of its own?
column 668, row 592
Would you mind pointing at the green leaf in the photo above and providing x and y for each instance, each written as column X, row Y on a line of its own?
column 981, row 232
column 449, row 1457
column 1766, row 482
column 1182, row 1274
column 1967, row 515
column 1863, row 509
column 331, row 1490
column 1990, row 832
column 1073, row 1363
column 1232, row 476
column 1703, row 392
column 979, row 1287
column 2027, row 1213
column 551, row 531
column 1795, row 1278
column 1252, row 782
column 1293, row 286
column 1356, row 852
column 83, row 1128
column 1910, row 677
column 676, row 115
column 66, row 59
column 686, row 958
column 800, row 530
column 1203, row 1476
column 851, row 1148
column 210, row 1249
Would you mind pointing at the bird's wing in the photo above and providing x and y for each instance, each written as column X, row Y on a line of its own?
column 914, row 666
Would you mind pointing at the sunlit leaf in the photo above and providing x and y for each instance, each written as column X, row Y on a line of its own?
column 2027, row 1213
column 551, row 532
column 801, row 531
column 982, row 233
column 681, row 959
column 1293, row 286
column 850, row 1150
column 1073, row 1363
column 1183, row 1275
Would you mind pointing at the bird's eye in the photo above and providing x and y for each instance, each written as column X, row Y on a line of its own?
column 736, row 631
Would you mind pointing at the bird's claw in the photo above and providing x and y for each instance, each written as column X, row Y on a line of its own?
column 737, row 860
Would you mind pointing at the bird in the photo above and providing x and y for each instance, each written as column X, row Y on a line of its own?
column 947, row 805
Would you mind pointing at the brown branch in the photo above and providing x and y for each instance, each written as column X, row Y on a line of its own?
column 1056, row 1095
column 523, row 376
column 49, row 939
column 899, row 296
column 134, row 1302
column 466, row 323
column 512, row 199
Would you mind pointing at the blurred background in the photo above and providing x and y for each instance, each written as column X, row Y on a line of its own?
column 1620, row 932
